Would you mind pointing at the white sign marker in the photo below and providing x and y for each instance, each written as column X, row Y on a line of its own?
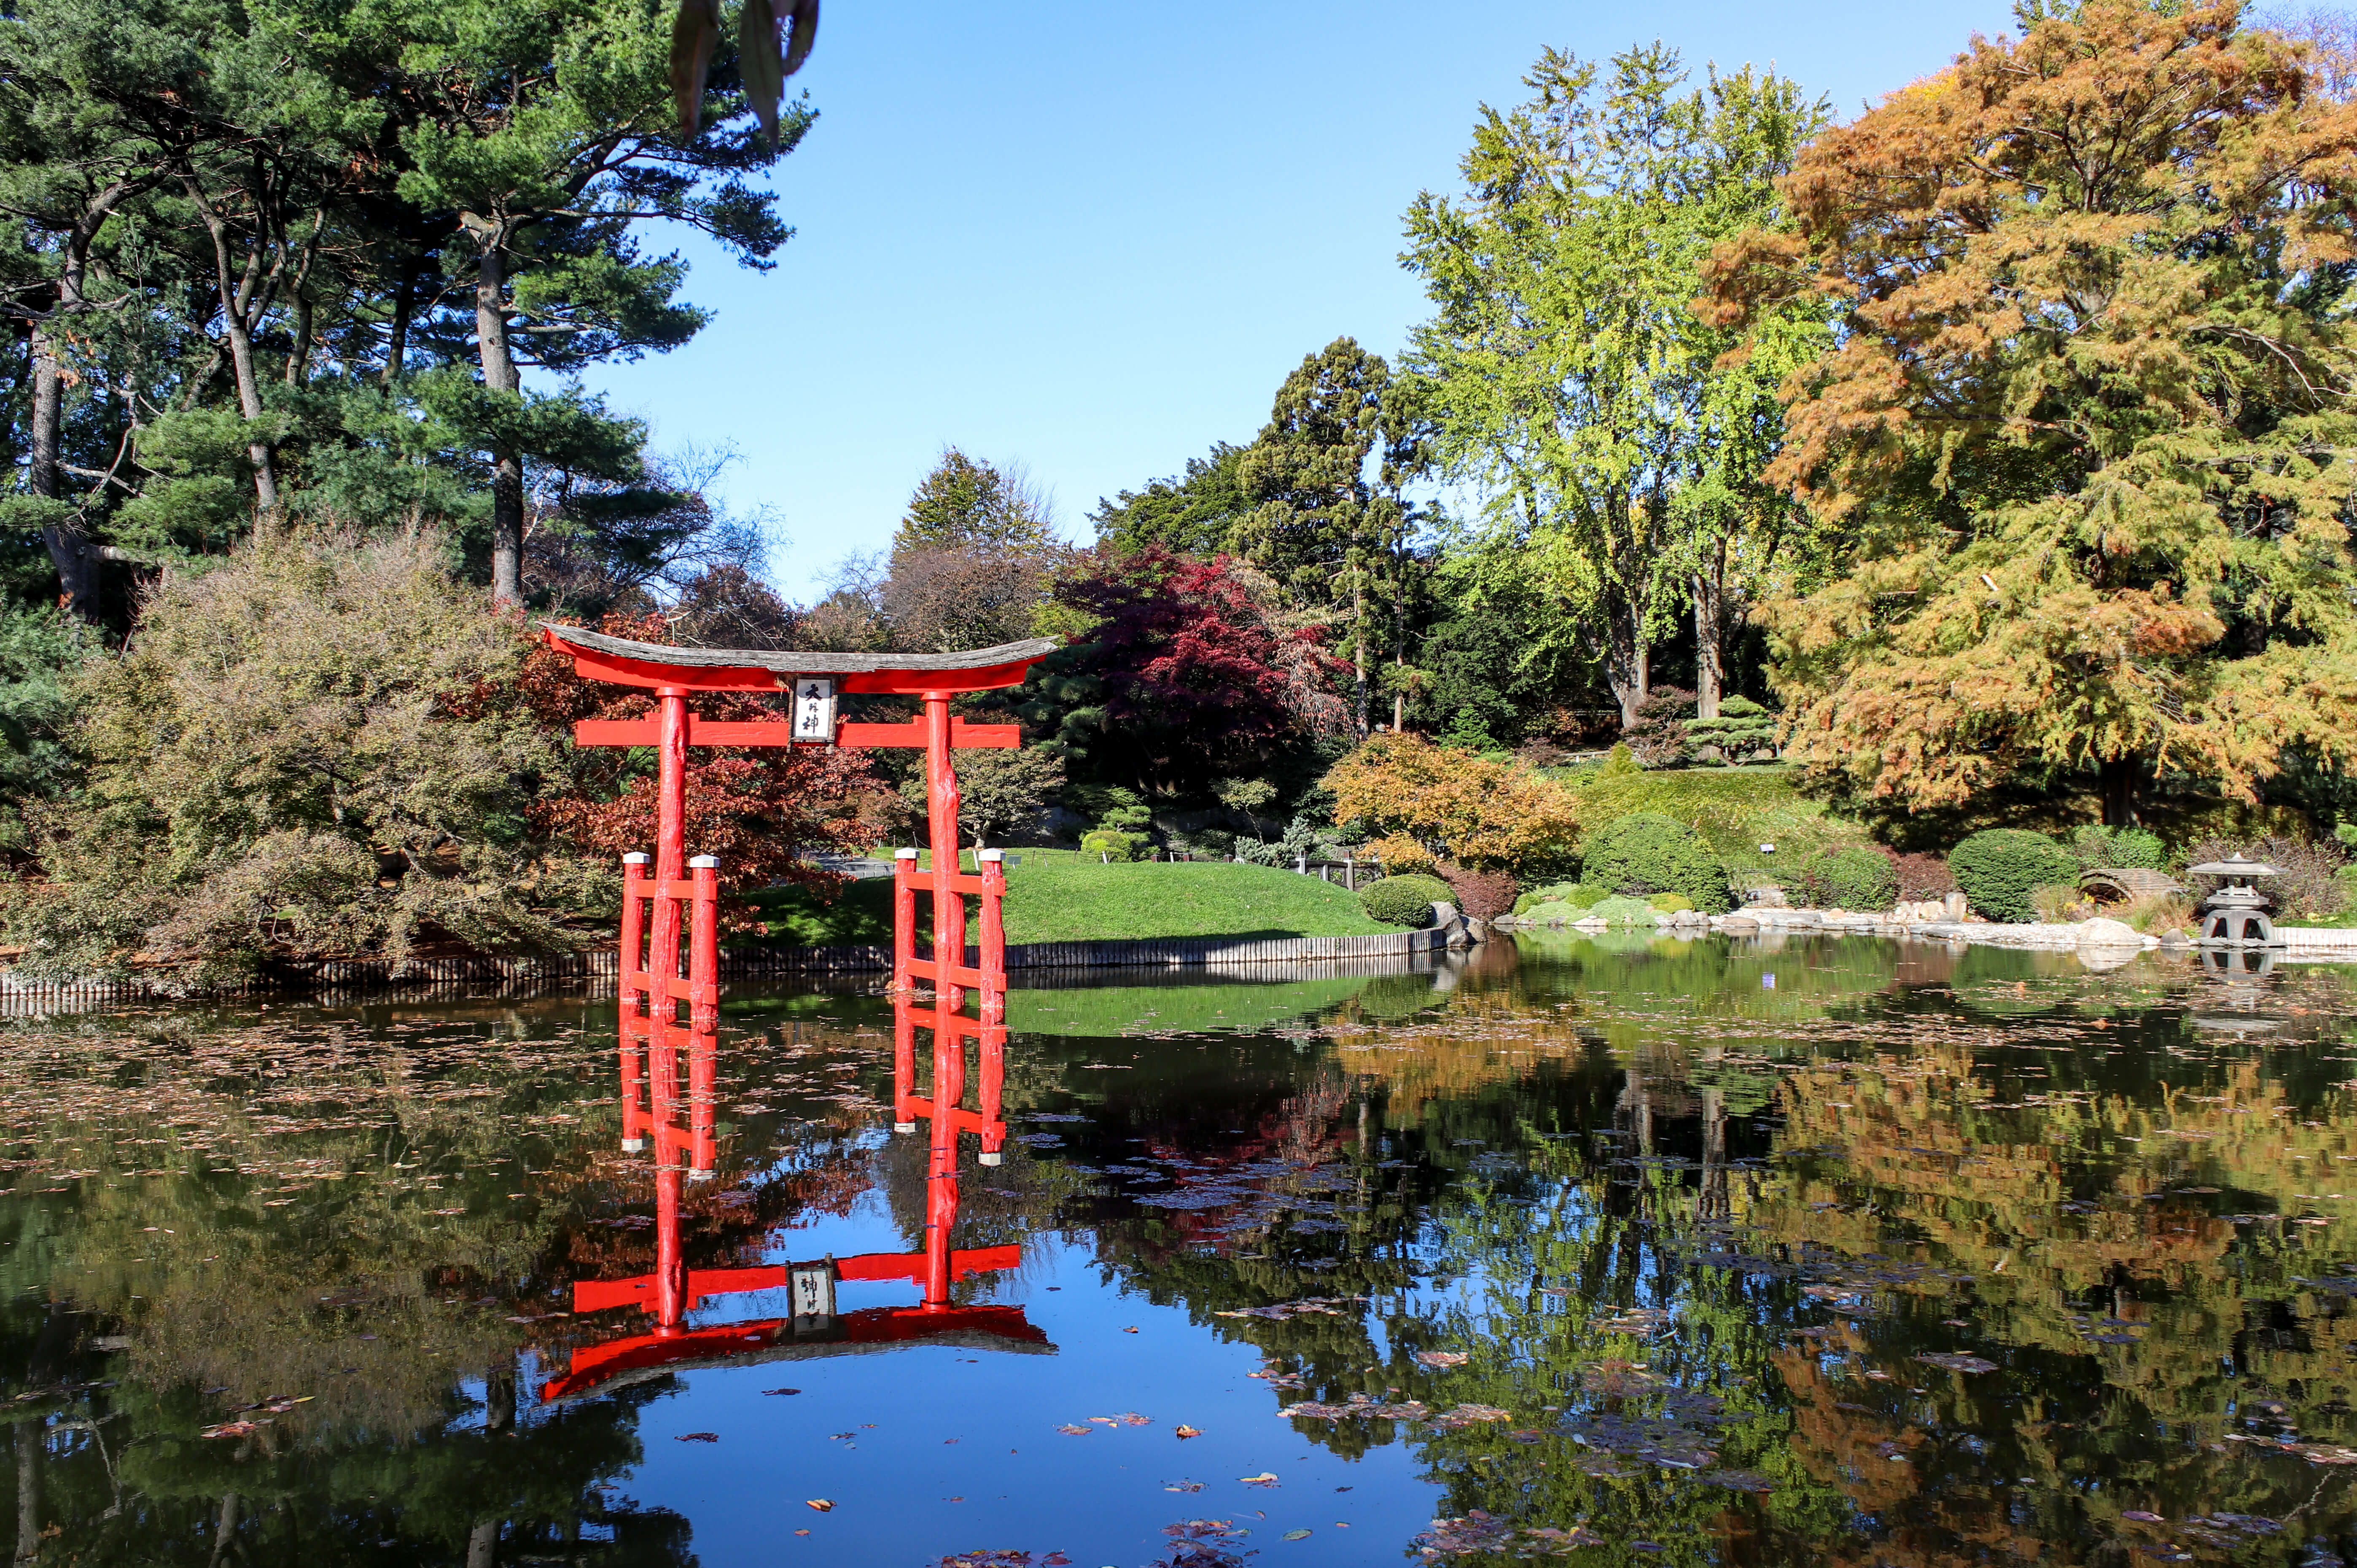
column 814, row 709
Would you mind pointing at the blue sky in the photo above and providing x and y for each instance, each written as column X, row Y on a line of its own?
column 1093, row 239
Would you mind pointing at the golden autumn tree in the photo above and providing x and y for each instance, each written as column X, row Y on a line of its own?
column 1492, row 814
column 2088, row 431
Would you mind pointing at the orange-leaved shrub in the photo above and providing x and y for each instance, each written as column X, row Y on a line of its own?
column 1488, row 814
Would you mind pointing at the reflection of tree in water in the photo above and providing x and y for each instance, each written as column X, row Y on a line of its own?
column 1983, row 1158
column 334, row 1222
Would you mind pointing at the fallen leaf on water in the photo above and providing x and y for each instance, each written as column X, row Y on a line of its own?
column 228, row 1429
column 1441, row 1358
column 823, row 1505
column 781, row 1391
column 2141, row 1516
column 697, row 1437
column 1266, row 1478
column 1188, row 1432
column 1295, row 1535
column 1129, row 1331
column 1076, row 1431
column 1131, row 1418
column 1184, row 1487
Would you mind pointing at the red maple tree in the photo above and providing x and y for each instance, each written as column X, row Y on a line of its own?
column 1194, row 667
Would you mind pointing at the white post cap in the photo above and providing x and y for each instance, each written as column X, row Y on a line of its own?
column 989, row 1159
column 990, row 855
column 634, row 858
column 705, row 862
column 904, row 855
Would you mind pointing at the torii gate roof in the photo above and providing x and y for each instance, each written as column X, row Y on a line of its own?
column 623, row 663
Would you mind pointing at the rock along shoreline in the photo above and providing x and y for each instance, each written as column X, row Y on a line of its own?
column 2099, row 935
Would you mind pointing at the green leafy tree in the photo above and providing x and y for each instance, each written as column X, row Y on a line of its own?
column 1566, row 374
column 2087, row 432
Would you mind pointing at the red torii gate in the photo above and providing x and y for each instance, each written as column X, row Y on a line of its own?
column 656, row 984
column 672, row 673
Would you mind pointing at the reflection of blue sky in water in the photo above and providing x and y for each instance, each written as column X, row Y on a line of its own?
column 1558, row 1167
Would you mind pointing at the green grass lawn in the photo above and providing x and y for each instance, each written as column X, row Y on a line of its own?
column 1064, row 896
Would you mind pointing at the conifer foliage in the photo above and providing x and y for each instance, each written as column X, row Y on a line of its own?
column 2088, row 431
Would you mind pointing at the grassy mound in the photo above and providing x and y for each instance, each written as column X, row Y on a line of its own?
column 1063, row 895
column 1736, row 810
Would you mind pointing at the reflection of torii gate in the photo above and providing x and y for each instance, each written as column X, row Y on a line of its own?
column 652, row 987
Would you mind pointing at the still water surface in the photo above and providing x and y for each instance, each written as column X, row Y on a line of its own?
column 1837, row 1253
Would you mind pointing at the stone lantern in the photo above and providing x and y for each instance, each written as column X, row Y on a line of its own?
column 2236, row 914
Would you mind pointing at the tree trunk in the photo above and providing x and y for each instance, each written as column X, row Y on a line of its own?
column 298, row 363
column 225, row 1532
column 71, row 550
column 396, row 346
column 500, row 375
column 483, row 1544
column 74, row 554
column 1629, row 568
column 1709, row 607
column 32, row 1448
column 239, row 297
column 1626, row 657
column 2121, row 780
column 1359, row 653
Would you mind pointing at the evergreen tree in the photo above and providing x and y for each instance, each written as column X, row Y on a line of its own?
column 1192, row 513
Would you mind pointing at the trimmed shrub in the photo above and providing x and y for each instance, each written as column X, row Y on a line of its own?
column 1646, row 853
column 1622, row 911
column 1742, row 728
column 1852, row 879
column 1405, row 900
column 1484, row 895
column 1555, row 912
column 1998, row 868
column 1112, row 843
column 1670, row 903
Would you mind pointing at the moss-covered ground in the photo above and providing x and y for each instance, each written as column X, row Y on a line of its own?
column 1736, row 810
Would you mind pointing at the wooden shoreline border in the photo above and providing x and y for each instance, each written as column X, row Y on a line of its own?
column 600, row 964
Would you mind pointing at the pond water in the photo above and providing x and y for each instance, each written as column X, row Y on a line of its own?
column 1837, row 1251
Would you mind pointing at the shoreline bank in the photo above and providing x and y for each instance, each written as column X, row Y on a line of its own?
column 2314, row 944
